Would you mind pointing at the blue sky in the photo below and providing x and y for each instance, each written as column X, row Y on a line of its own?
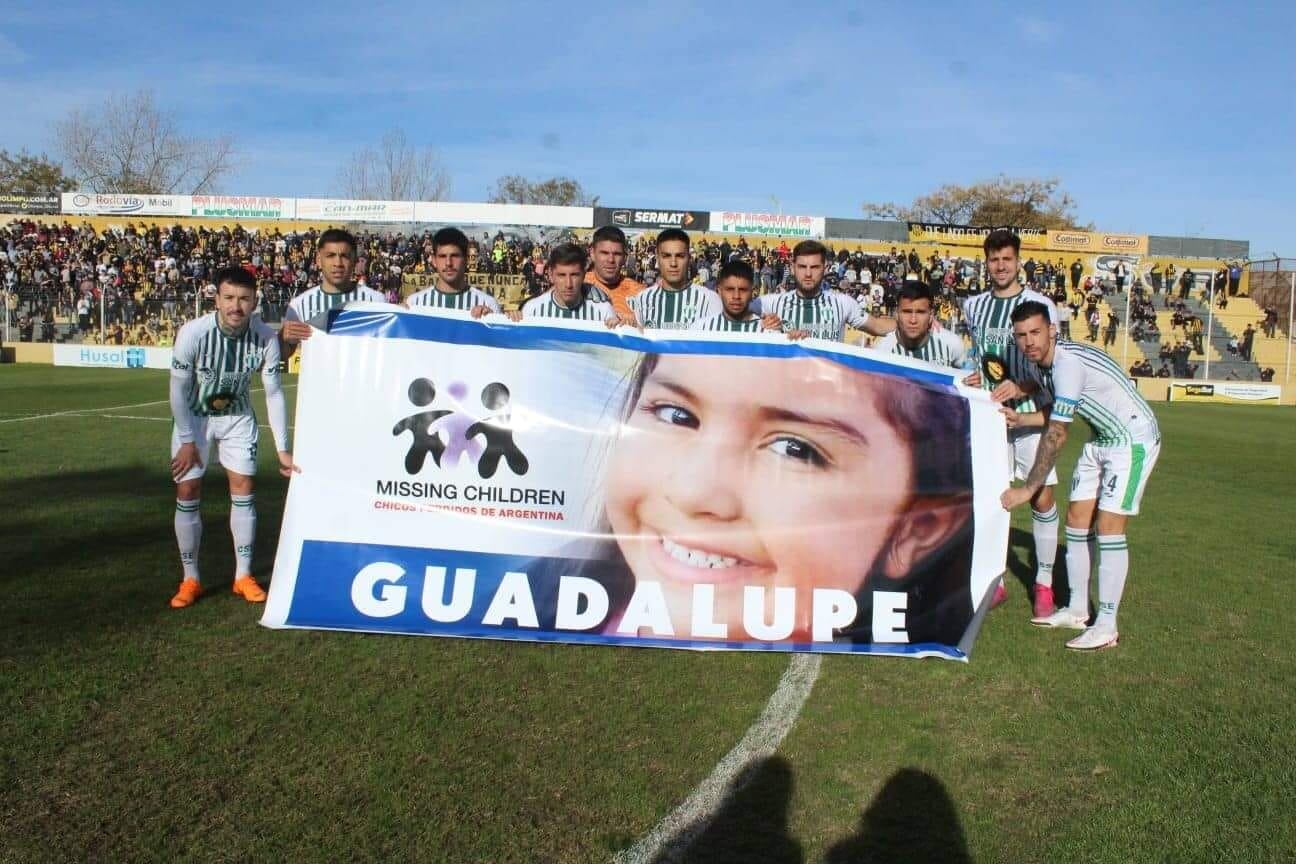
column 1162, row 119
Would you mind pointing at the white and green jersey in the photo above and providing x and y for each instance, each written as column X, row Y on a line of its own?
column 216, row 370
column 722, row 323
column 989, row 318
column 313, row 304
column 1085, row 381
column 663, row 308
column 826, row 315
column 466, row 300
column 589, row 309
column 941, row 347
column 595, row 293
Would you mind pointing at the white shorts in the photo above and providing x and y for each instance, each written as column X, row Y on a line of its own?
column 1115, row 474
column 236, row 436
column 1024, row 445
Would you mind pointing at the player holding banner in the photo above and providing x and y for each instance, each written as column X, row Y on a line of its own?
column 914, row 336
column 336, row 258
column 989, row 318
column 1110, row 477
column 566, row 297
column 451, row 290
column 674, row 303
column 212, row 365
column 814, row 308
column 735, row 284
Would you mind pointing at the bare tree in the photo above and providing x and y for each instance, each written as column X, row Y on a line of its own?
column 1026, row 202
column 558, row 191
column 396, row 171
column 129, row 144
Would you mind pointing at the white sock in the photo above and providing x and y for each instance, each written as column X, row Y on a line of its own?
column 188, row 529
column 1045, row 528
column 243, row 528
column 1113, row 566
column 1078, row 564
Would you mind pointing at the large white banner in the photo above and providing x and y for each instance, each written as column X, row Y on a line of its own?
column 347, row 210
column 111, row 204
column 564, row 482
column 112, row 356
column 767, row 224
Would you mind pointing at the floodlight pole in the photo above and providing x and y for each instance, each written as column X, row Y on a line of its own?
column 1210, row 323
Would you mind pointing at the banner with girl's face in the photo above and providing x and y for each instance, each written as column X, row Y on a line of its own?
column 566, row 482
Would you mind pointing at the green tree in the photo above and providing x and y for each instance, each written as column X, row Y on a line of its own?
column 22, row 173
column 1026, row 202
column 557, row 191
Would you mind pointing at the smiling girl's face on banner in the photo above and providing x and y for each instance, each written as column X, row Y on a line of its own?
column 738, row 471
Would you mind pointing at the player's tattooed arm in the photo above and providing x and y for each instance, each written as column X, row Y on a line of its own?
column 1051, row 444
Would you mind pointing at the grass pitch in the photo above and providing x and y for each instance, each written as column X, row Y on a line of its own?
column 132, row 732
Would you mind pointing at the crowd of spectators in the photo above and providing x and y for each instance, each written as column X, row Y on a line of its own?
column 144, row 281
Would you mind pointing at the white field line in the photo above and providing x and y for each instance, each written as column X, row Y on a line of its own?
column 669, row 840
column 153, row 419
column 74, row 412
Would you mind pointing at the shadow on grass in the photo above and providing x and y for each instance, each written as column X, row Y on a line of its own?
column 911, row 819
column 106, row 558
column 751, row 824
column 1023, row 568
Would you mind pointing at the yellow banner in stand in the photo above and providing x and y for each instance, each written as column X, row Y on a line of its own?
column 1092, row 242
column 508, row 288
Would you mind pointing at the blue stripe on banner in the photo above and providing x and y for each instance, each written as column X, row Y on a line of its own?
column 328, row 578
column 458, row 331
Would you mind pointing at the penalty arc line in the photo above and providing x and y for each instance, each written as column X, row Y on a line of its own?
column 672, row 836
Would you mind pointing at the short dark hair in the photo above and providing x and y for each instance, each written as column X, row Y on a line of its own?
column 337, row 235
column 235, row 276
column 450, row 237
column 672, row 234
column 1001, row 238
column 1030, row 309
column 912, row 289
column 610, row 234
column 568, row 253
column 810, row 247
column 738, row 268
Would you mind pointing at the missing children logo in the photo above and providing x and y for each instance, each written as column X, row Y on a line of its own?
column 450, row 435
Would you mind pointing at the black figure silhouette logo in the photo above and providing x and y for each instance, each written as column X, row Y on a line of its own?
column 498, row 433
column 422, row 392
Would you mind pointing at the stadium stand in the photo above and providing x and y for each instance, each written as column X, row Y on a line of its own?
column 136, row 282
